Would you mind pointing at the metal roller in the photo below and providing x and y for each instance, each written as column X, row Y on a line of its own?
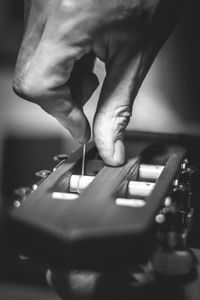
column 150, row 172
column 79, row 183
column 130, row 202
column 146, row 172
column 64, row 196
column 139, row 189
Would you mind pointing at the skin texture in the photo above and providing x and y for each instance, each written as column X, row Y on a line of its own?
column 61, row 41
column 54, row 69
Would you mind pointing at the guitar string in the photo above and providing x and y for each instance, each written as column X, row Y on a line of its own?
column 82, row 168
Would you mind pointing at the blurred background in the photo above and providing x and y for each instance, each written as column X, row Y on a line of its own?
column 168, row 102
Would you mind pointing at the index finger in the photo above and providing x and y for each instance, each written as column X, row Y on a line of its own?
column 43, row 78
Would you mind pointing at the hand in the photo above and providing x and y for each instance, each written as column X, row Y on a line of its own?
column 62, row 40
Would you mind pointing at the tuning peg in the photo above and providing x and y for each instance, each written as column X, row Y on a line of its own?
column 181, row 188
column 184, row 164
column 60, row 157
column 168, row 201
column 43, row 173
column 187, row 174
column 191, row 171
column 176, row 183
column 189, row 219
column 16, row 203
column 160, row 218
column 21, row 193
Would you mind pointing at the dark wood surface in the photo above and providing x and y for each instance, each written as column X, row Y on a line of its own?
column 23, row 272
column 92, row 231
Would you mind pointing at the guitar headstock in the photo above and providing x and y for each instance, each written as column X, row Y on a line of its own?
column 111, row 217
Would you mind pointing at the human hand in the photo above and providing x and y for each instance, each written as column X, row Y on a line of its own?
column 62, row 40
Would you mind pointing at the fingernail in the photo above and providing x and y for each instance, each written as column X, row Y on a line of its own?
column 116, row 157
column 119, row 153
column 113, row 154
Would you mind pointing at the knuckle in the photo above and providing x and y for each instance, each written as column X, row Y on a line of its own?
column 43, row 91
column 28, row 88
column 22, row 88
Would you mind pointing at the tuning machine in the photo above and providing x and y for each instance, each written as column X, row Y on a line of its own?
column 113, row 215
column 59, row 159
column 172, row 256
column 43, row 174
column 21, row 194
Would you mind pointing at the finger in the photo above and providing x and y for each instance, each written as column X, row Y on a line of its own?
column 115, row 108
column 125, row 74
column 44, row 80
column 34, row 22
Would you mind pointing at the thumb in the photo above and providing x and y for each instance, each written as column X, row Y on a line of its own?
column 126, row 71
column 115, row 107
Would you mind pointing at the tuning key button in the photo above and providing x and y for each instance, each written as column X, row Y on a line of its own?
column 168, row 201
column 22, row 191
column 184, row 164
column 60, row 157
column 189, row 219
column 191, row 172
column 160, row 219
column 43, row 173
column 23, row 257
column 35, row 186
column 16, row 203
column 176, row 183
column 21, row 194
column 181, row 188
column 187, row 175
